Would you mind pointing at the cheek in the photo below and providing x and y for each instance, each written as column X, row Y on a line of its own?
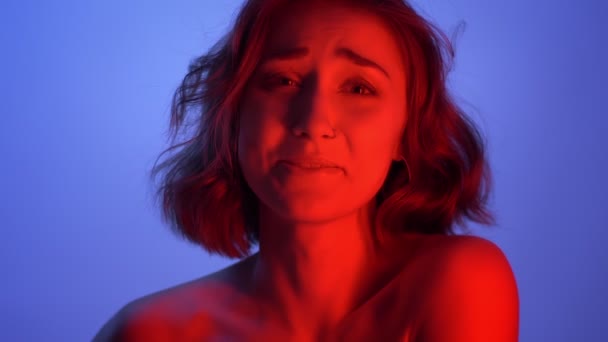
column 373, row 149
column 376, row 138
column 372, row 166
column 259, row 137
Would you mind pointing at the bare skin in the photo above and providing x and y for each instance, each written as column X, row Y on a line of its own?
column 318, row 276
column 222, row 307
column 317, row 261
column 423, row 296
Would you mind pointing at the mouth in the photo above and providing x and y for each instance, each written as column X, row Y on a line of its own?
column 308, row 168
column 310, row 164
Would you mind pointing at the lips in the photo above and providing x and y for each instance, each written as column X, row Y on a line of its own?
column 311, row 163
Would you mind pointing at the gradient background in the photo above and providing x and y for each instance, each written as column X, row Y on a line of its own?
column 85, row 94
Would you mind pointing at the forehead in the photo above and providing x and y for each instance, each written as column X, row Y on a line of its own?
column 323, row 26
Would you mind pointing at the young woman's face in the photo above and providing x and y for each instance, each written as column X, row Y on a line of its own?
column 339, row 93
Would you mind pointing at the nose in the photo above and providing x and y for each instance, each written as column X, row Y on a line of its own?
column 313, row 115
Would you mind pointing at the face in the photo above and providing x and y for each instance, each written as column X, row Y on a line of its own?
column 337, row 91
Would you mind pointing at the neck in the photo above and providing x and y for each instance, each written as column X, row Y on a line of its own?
column 312, row 275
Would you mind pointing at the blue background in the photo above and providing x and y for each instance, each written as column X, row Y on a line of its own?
column 85, row 92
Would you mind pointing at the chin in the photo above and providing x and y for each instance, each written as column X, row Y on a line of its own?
column 309, row 209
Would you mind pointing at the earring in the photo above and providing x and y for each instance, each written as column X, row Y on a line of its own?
column 409, row 175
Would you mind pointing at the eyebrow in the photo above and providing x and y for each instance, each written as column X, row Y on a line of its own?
column 342, row 52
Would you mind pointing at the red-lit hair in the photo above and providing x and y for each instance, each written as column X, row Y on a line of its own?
column 205, row 197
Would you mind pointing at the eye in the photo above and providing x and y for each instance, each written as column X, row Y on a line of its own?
column 360, row 86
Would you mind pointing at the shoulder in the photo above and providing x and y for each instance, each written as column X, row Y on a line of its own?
column 133, row 323
column 148, row 318
column 468, row 248
column 467, row 258
column 475, row 295
column 182, row 312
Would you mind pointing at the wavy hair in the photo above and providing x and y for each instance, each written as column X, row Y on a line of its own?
column 205, row 197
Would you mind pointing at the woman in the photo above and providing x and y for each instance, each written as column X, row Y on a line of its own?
column 325, row 133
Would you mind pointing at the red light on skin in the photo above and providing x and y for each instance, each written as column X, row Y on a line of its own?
column 307, row 170
column 296, row 178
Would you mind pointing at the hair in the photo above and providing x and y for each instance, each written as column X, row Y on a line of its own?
column 205, row 197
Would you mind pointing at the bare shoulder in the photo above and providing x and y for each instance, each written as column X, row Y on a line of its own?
column 136, row 322
column 462, row 253
column 475, row 295
column 470, row 243
column 187, row 311
column 466, row 258
column 457, row 249
column 155, row 316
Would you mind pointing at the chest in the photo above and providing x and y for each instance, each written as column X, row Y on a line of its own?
column 370, row 325
column 393, row 314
